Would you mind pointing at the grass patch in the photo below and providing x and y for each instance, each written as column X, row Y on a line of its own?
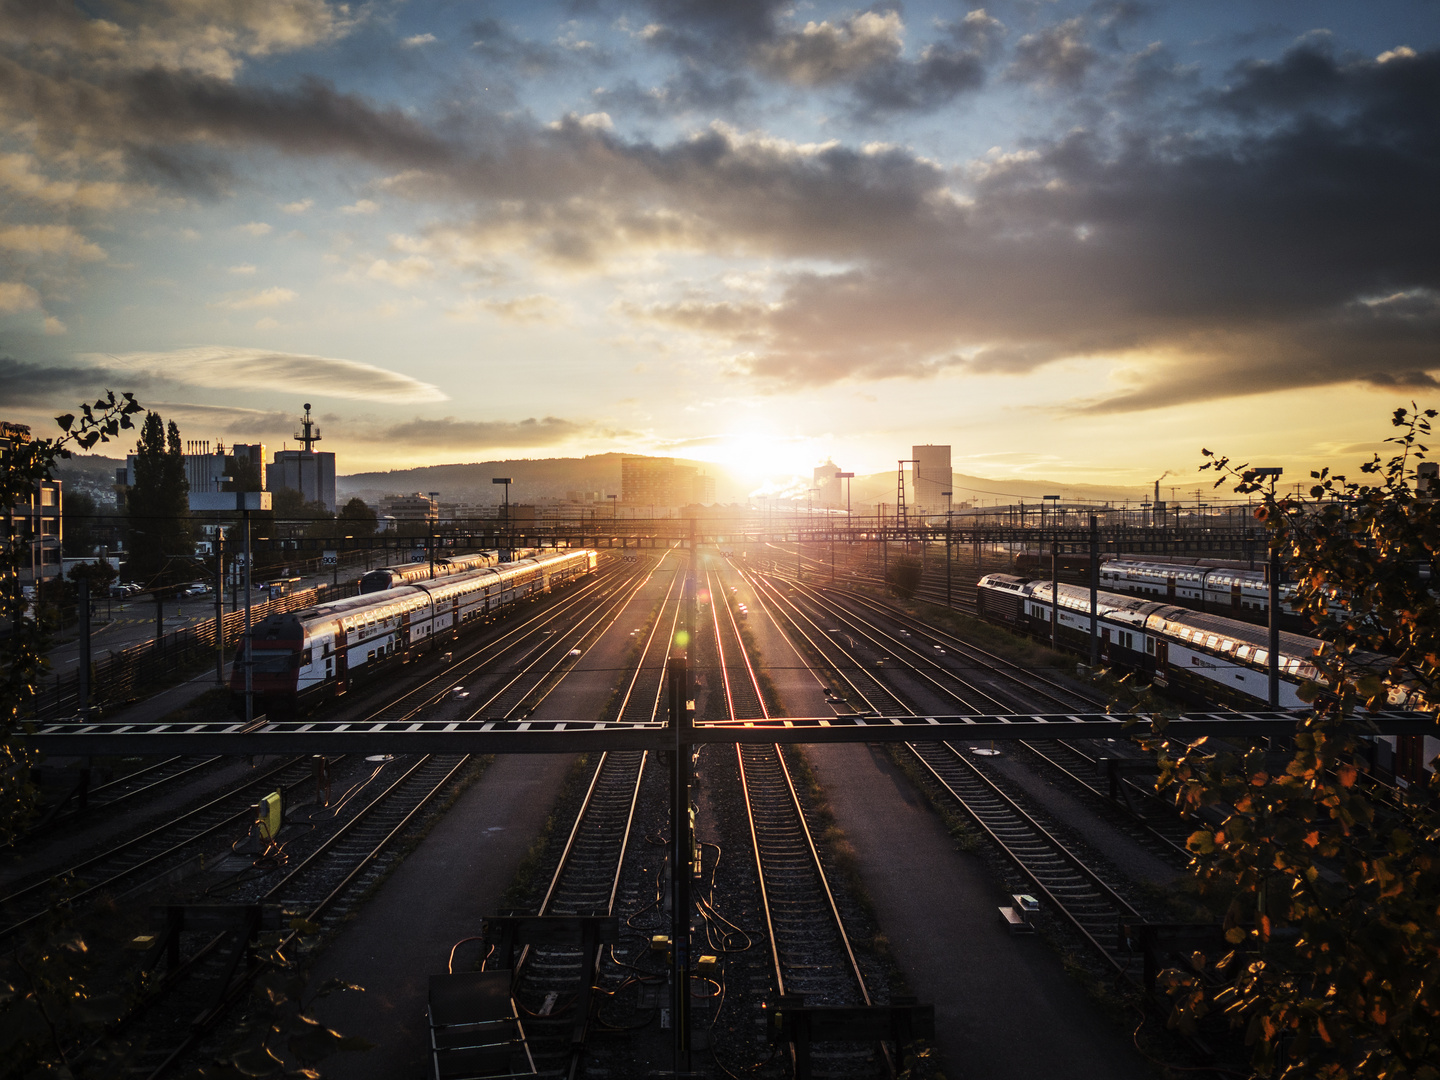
column 524, row 890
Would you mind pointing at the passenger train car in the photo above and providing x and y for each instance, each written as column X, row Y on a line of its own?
column 391, row 577
column 1202, row 655
column 1241, row 594
column 324, row 650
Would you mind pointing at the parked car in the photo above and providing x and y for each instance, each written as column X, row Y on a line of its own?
column 197, row 589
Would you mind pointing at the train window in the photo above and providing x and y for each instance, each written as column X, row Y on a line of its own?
column 1150, row 646
column 1227, row 645
column 1210, row 641
column 1262, row 656
column 306, row 657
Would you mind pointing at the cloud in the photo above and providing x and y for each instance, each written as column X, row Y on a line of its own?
column 862, row 54
column 45, row 385
column 49, row 240
column 244, row 269
column 257, row 228
column 23, row 175
column 213, row 39
column 224, row 367
column 297, row 207
column 536, row 308
column 17, row 296
column 1054, row 56
column 403, row 272
column 363, row 206
column 417, row 40
column 274, row 296
column 449, row 432
column 230, row 419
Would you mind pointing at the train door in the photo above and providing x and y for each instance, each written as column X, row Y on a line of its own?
column 1105, row 642
column 1162, row 656
column 1235, row 604
column 455, row 617
column 342, row 665
column 404, row 636
column 1170, row 587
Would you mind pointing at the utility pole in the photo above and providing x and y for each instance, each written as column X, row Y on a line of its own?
column 219, row 606
column 681, row 842
column 82, row 695
column 1273, row 655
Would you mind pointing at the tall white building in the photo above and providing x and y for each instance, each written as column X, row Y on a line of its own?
column 831, row 492
column 932, row 478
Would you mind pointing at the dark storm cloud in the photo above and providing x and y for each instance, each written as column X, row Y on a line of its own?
column 53, row 386
column 861, row 54
column 153, row 112
column 690, row 90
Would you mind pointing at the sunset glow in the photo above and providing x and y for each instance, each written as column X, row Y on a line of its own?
column 1076, row 242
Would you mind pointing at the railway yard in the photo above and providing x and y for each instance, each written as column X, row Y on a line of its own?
column 983, row 896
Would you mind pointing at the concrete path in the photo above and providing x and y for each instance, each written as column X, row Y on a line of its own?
column 437, row 896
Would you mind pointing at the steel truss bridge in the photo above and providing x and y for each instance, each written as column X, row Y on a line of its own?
column 641, row 534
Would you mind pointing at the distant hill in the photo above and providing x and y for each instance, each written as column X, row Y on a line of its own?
column 539, row 478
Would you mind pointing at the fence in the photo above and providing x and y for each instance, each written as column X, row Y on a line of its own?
column 122, row 677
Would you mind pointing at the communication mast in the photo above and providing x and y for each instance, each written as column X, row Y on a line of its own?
column 310, row 431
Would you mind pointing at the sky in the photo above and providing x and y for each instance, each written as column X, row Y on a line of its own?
column 1075, row 241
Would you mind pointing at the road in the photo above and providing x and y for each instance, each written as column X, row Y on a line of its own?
column 120, row 624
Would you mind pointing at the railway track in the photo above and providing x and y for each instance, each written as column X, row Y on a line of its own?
column 1118, row 776
column 812, row 958
column 1072, row 888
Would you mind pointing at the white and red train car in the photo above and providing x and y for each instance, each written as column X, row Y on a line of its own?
column 324, row 650
column 1205, row 656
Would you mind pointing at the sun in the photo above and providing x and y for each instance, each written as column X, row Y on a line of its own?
column 755, row 456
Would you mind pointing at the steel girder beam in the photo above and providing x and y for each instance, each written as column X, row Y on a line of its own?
column 78, row 738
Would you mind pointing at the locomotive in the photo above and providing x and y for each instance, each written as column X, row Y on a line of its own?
column 298, row 656
column 1201, row 655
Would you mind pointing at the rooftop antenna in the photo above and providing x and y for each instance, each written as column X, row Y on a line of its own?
column 309, row 433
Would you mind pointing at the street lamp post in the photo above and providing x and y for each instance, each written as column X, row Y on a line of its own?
column 431, row 513
column 948, row 504
column 1054, row 568
column 505, row 551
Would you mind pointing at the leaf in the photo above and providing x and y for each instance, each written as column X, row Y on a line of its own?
column 65, row 421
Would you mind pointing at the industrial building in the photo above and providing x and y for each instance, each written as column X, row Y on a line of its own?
column 310, row 472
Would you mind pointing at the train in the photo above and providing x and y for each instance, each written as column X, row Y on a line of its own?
column 392, row 577
column 1240, row 594
column 1202, row 655
column 301, row 656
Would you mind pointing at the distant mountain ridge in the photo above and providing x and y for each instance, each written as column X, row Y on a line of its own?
column 531, row 478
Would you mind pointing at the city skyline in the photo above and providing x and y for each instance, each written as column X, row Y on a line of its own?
column 1075, row 242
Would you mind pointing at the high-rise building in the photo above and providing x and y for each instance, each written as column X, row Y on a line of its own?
column 932, row 477
column 307, row 471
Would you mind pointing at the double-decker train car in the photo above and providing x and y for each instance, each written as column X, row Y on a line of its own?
column 1240, row 594
column 392, row 577
column 302, row 655
column 1201, row 654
